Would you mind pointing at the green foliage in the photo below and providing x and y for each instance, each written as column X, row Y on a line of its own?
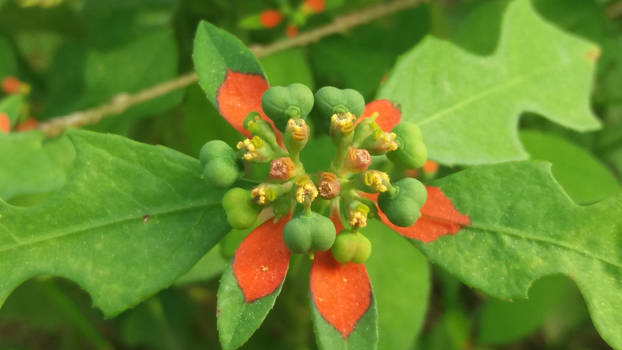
column 523, row 226
column 129, row 220
column 455, row 93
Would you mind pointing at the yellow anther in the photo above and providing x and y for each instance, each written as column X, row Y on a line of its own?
column 377, row 180
column 299, row 129
column 358, row 219
column 262, row 194
column 343, row 122
column 385, row 141
column 250, row 146
column 306, row 193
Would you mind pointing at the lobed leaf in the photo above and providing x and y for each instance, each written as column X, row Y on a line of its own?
column 130, row 219
column 468, row 106
column 523, row 226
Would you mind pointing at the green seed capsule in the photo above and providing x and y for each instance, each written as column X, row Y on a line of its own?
column 308, row 233
column 216, row 149
column 411, row 152
column 330, row 100
column 221, row 172
column 241, row 211
column 402, row 207
column 281, row 103
column 351, row 246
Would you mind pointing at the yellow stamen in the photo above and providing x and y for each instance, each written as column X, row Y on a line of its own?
column 343, row 122
column 377, row 180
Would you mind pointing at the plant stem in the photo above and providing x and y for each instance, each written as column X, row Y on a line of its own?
column 122, row 101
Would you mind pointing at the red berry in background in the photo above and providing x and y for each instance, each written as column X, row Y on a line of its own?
column 270, row 18
column 28, row 124
column 5, row 123
column 291, row 30
column 313, row 6
column 11, row 85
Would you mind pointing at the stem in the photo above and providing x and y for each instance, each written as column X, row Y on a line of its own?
column 122, row 101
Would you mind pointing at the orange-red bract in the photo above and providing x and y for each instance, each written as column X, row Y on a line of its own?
column 261, row 261
column 291, row 30
column 341, row 293
column 5, row 123
column 240, row 94
column 314, row 6
column 10, row 85
column 270, row 18
column 388, row 114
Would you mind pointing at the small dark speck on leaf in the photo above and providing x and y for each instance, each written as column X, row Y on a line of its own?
column 146, row 217
column 217, row 312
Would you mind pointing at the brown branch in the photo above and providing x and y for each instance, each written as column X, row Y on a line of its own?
column 122, row 101
column 614, row 10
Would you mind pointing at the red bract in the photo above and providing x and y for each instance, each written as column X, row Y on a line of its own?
column 314, row 6
column 11, row 85
column 270, row 18
column 5, row 123
column 29, row 124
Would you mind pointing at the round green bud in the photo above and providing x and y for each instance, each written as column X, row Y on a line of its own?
column 411, row 152
column 240, row 210
column 309, row 232
column 403, row 205
column 216, row 149
column 330, row 100
column 221, row 172
column 281, row 103
column 351, row 247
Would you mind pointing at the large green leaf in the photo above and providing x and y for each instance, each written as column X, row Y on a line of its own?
column 130, row 219
column 468, row 106
column 523, row 226
column 28, row 166
column 401, row 279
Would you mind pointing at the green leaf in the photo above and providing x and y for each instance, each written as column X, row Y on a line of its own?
column 13, row 106
column 130, row 219
column 581, row 174
column 28, row 166
column 210, row 266
column 523, row 226
column 401, row 291
column 237, row 319
column 215, row 52
column 468, row 106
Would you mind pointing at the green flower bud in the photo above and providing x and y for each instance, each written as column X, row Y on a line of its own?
column 351, row 246
column 221, row 172
column 241, row 211
column 220, row 167
column 281, row 103
column 309, row 232
column 411, row 152
column 402, row 205
column 330, row 100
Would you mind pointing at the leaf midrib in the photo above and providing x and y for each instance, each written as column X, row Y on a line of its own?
column 522, row 235
column 78, row 229
column 486, row 92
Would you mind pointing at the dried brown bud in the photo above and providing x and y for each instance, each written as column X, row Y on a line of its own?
column 282, row 169
column 357, row 160
column 329, row 186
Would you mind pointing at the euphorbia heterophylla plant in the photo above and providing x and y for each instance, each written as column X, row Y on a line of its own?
column 321, row 179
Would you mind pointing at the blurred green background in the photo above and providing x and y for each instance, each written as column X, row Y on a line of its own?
column 77, row 54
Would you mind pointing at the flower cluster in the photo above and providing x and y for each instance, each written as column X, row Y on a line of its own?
column 295, row 17
column 14, row 107
column 314, row 203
